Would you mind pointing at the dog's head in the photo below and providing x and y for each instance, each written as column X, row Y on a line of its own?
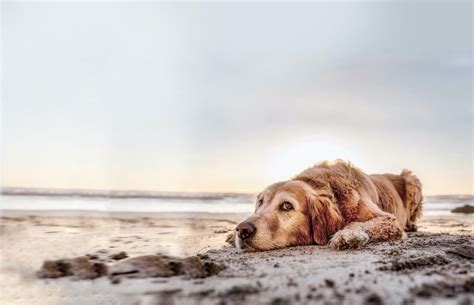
column 289, row 213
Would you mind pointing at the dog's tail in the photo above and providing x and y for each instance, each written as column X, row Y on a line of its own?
column 413, row 197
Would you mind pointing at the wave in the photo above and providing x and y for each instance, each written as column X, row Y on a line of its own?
column 124, row 194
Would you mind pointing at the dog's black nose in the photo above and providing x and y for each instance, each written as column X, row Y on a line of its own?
column 246, row 229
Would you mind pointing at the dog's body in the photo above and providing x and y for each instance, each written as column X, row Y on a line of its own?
column 333, row 203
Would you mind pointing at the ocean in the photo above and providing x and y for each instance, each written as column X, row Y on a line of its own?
column 172, row 202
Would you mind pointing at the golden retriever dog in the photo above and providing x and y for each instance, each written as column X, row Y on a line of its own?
column 332, row 203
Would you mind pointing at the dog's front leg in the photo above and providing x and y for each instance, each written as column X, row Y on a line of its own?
column 357, row 234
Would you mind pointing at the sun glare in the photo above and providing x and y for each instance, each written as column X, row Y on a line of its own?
column 295, row 156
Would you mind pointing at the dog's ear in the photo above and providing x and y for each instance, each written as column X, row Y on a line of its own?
column 324, row 216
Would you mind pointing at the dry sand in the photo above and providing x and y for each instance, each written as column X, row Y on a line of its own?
column 432, row 266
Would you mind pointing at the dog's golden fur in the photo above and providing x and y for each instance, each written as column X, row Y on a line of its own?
column 335, row 203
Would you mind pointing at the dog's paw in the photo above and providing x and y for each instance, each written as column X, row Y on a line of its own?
column 348, row 239
column 231, row 239
column 411, row 227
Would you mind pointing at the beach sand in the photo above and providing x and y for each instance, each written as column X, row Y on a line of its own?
column 431, row 266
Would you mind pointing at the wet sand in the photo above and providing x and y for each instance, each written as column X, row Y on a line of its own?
column 431, row 266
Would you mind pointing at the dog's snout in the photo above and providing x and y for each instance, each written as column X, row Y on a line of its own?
column 246, row 229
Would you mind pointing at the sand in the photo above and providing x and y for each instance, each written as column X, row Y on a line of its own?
column 431, row 266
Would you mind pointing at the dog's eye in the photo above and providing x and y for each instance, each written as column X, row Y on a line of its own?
column 286, row 206
column 260, row 202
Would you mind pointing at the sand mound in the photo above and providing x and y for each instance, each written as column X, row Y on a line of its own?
column 92, row 266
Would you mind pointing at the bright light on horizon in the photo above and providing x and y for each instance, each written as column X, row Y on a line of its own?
column 289, row 159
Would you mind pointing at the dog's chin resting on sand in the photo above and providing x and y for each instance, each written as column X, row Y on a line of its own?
column 333, row 204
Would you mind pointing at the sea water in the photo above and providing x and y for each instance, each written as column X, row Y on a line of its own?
column 433, row 205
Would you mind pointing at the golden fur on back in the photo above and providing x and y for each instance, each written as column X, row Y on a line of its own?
column 399, row 195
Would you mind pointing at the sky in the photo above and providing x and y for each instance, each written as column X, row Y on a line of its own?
column 230, row 97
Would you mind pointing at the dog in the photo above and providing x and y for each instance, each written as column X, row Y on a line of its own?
column 332, row 203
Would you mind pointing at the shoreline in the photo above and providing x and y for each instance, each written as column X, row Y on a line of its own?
column 154, row 214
